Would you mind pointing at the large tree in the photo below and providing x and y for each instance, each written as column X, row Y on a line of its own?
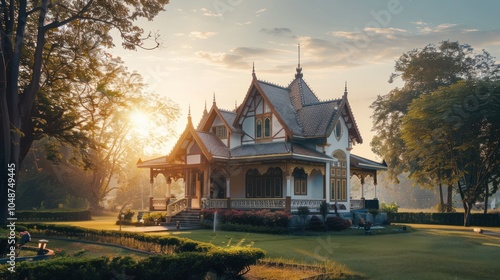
column 24, row 30
column 422, row 71
column 453, row 136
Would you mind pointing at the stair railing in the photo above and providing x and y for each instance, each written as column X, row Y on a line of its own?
column 176, row 207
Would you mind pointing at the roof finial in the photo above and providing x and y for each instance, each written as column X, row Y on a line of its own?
column 345, row 89
column 214, row 99
column 189, row 113
column 253, row 70
column 205, row 107
column 235, row 105
column 299, row 69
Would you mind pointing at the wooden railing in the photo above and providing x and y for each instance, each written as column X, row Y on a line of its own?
column 310, row 203
column 158, row 204
column 257, row 203
column 176, row 207
column 218, row 203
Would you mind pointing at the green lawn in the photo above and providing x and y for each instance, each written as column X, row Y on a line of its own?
column 427, row 252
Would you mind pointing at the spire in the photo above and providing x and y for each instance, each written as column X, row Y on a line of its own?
column 345, row 88
column 235, row 105
column 299, row 68
column 205, row 111
column 189, row 114
column 213, row 101
column 253, row 70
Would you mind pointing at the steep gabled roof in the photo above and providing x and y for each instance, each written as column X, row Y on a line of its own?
column 227, row 117
column 317, row 118
column 277, row 149
column 301, row 94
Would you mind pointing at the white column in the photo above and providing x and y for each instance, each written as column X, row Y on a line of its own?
column 327, row 181
column 228, row 187
column 289, row 185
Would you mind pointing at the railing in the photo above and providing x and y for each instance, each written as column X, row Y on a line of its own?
column 176, row 207
column 158, row 204
column 357, row 204
column 253, row 203
column 217, row 203
column 310, row 203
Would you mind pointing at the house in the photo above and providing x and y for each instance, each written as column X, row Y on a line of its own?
column 282, row 148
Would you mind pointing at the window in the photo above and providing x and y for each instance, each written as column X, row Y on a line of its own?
column 338, row 130
column 338, row 178
column 300, row 181
column 258, row 128
column 267, row 185
column 220, row 131
column 267, row 127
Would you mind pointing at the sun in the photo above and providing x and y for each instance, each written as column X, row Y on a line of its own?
column 140, row 123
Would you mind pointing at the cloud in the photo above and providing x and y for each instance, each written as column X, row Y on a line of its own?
column 261, row 11
column 240, row 58
column 201, row 35
column 244, row 23
column 277, row 31
column 206, row 12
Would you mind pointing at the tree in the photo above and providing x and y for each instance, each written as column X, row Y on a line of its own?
column 24, row 29
column 422, row 71
column 453, row 135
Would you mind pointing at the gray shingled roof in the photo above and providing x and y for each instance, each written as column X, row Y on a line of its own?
column 315, row 119
column 230, row 117
column 273, row 149
column 301, row 94
column 213, row 144
column 364, row 163
column 280, row 98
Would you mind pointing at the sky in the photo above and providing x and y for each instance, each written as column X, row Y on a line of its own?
column 209, row 46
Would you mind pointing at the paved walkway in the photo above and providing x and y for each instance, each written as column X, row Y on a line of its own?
column 157, row 228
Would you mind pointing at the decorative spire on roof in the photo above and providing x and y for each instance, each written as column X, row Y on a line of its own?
column 189, row 114
column 205, row 111
column 235, row 105
column 345, row 88
column 213, row 101
column 299, row 69
column 253, row 70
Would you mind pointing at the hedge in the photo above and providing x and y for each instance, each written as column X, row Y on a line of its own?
column 264, row 217
column 55, row 215
column 157, row 244
column 444, row 219
column 228, row 263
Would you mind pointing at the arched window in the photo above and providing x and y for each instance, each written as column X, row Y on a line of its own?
column 299, row 181
column 258, row 128
column 338, row 130
column 267, row 127
column 338, row 177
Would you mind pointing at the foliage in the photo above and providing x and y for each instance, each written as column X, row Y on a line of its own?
column 423, row 71
column 389, row 208
column 154, row 217
column 127, row 214
column 266, row 218
column 337, row 223
column 55, row 215
column 224, row 262
column 324, row 209
column 457, row 140
column 455, row 219
column 49, row 50
column 316, row 224
column 247, row 228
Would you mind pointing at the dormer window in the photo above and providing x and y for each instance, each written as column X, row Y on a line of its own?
column 258, row 128
column 220, row 131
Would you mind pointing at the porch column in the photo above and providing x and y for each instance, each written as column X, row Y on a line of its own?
column 228, row 187
column 362, row 187
column 327, row 181
column 375, row 183
column 288, row 185
column 169, row 183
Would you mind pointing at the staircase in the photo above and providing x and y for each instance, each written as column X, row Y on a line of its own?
column 188, row 219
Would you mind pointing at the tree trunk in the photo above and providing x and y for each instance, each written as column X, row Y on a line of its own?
column 449, row 202
column 441, row 200
column 467, row 214
column 486, row 194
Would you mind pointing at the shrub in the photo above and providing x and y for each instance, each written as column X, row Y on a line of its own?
column 389, row 208
column 264, row 217
column 324, row 208
column 315, row 223
column 154, row 217
column 127, row 215
column 338, row 223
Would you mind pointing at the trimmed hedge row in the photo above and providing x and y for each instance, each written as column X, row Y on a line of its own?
column 56, row 215
column 456, row 219
column 264, row 217
column 157, row 244
column 227, row 263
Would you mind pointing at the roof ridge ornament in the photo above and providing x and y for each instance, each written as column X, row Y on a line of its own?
column 299, row 68
column 213, row 100
column 345, row 88
column 253, row 70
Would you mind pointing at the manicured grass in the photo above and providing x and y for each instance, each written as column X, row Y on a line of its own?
column 427, row 252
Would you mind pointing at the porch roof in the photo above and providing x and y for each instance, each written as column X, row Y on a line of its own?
column 364, row 163
column 276, row 149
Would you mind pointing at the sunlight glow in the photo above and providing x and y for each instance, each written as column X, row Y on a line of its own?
column 140, row 123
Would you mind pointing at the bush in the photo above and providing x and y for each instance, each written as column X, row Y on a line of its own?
column 264, row 217
column 338, row 223
column 315, row 223
column 228, row 263
column 127, row 215
column 389, row 208
column 154, row 217
column 55, row 215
